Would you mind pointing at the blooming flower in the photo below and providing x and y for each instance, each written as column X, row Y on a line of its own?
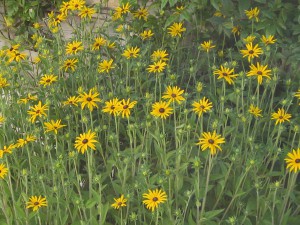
column 226, row 74
column 89, row 100
column 161, row 109
column 146, row 34
column 77, row 4
column 84, row 141
column 236, row 30
column 252, row 13
column 3, row 171
column 105, row 66
column 3, row 82
column 86, row 12
column 251, row 51
column 174, row 94
column 255, row 111
column 73, row 100
column 70, row 64
column 141, row 13
column 119, row 202
column 249, row 39
column 268, row 40
column 36, row 202
column 112, row 107
column 281, row 116
column 153, row 198
column 297, row 94
column 74, row 47
column 260, row 71
column 159, row 55
column 125, row 106
column 37, row 111
column 16, row 56
column 132, row 52
column 53, row 126
column 293, row 160
column 176, row 29
column 157, row 67
column 46, row 80
column 202, row 106
column 21, row 142
column 99, row 41
column 211, row 141
column 207, row 45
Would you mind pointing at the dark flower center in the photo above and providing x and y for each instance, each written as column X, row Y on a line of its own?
column 48, row 81
column 36, row 203
column 259, row 73
column 89, row 99
column 161, row 110
column 280, row 117
column 112, row 107
column 68, row 64
column 224, row 74
column 125, row 106
column 119, row 203
column 202, row 107
column 37, row 111
column 211, row 141
column 297, row 161
column 156, row 67
column 155, row 199
column 18, row 54
column 74, row 48
column 84, row 141
column 251, row 52
column 173, row 95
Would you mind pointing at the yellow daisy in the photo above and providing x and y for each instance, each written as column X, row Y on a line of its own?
column 74, row 47
column 161, row 109
column 89, row 99
column 251, row 51
column 281, row 116
column 259, row 71
column 174, row 94
column 293, row 160
column 53, row 126
column 36, row 202
column 153, row 198
column 119, row 202
column 84, row 141
column 226, row 74
column 105, row 66
column 38, row 110
column 176, row 29
column 46, row 80
column 203, row 105
column 157, row 67
column 211, row 141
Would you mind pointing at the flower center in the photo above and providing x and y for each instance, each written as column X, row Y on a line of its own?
column 202, row 107
column 125, row 106
column 36, row 203
column 155, row 199
column 84, row 141
column 74, row 48
column 89, row 99
column 156, row 67
column 173, row 95
column 119, row 203
column 224, row 74
column 38, row 111
column 211, row 141
column 48, row 81
column 259, row 73
column 297, row 161
column 161, row 110
column 112, row 107
column 280, row 117
column 251, row 52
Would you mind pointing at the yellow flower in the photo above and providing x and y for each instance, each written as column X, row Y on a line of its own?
column 255, row 111
column 159, row 55
column 260, row 71
column 281, row 116
column 84, row 141
column 249, row 39
column 36, row 25
column 77, row 4
column 64, row 7
column 293, row 160
column 236, row 30
column 86, row 12
column 2, row 119
column 37, row 111
column 174, row 94
column 21, row 142
column 297, row 94
column 119, row 202
column 161, row 109
column 226, row 74
column 54, row 22
column 89, row 100
column 268, row 40
column 153, row 198
column 99, row 41
column 252, row 13
column 105, row 66
column 3, row 170
column 125, row 107
column 141, row 13
column 71, row 101
column 146, row 34
column 46, row 80
column 251, row 51
column 28, row 98
column 70, row 64
column 211, row 141
column 157, row 67
column 3, row 82
column 176, row 29
column 16, row 56
column 132, row 52
column 74, row 47
column 207, row 45
column 202, row 106
column 53, row 126
column 112, row 107
column 36, row 202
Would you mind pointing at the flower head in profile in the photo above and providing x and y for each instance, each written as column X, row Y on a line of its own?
column 38, row 110
column 297, row 94
column 7, row 149
column 119, row 202
column 251, row 51
column 226, row 74
column 85, row 141
column 252, row 13
column 249, row 39
column 146, row 34
column 202, row 106
column 293, row 160
column 53, row 126
column 207, row 45
column 211, row 141
column 267, row 40
column 89, row 100
column 153, row 198
column 86, row 12
column 74, row 47
column 255, row 111
column 99, row 41
column 259, row 71
column 72, row 100
column 176, row 29
column 46, row 80
column 36, row 202
column 125, row 106
column 281, row 116
column 174, row 94
column 16, row 56
column 159, row 55
column 70, row 64
column 105, row 66
column 141, row 13
column 3, row 82
column 236, row 30
column 23, row 141
column 161, row 109
column 3, row 170
column 112, row 107
column 157, row 67
column 132, row 52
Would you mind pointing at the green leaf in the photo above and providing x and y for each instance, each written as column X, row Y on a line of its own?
column 243, row 5
column 215, row 5
column 170, row 20
column 90, row 203
column 211, row 214
column 172, row 2
column 163, row 3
